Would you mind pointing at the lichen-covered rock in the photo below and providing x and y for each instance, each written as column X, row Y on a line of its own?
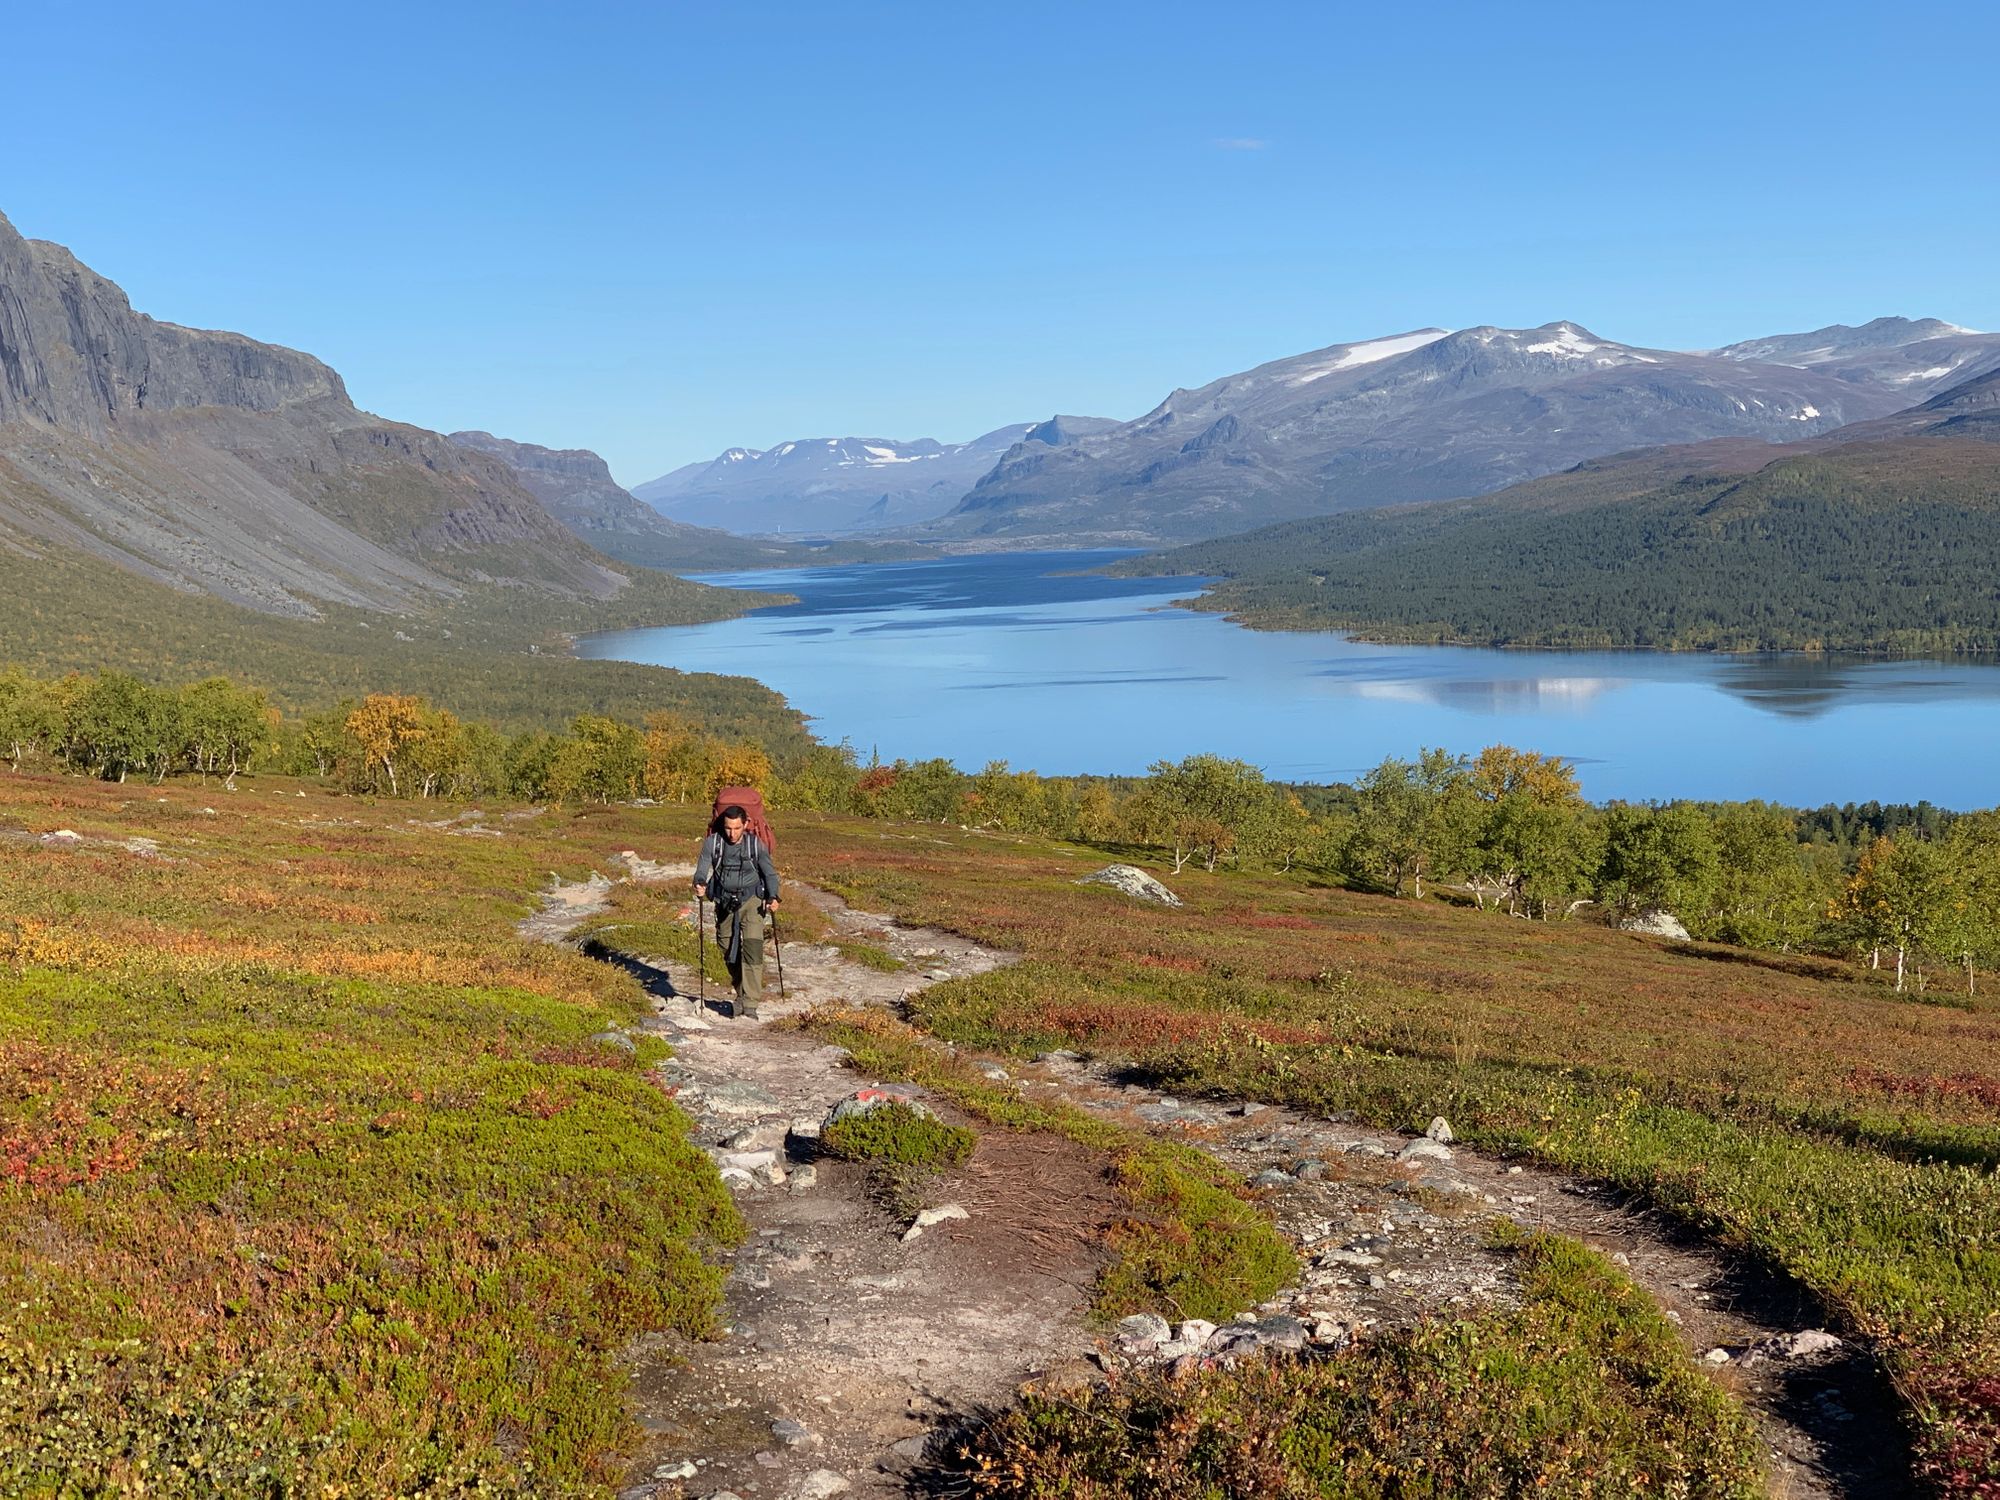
column 1134, row 882
column 1656, row 924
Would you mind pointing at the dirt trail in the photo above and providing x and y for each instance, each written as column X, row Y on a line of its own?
column 848, row 1349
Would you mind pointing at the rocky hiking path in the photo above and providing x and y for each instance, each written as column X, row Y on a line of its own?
column 849, row 1349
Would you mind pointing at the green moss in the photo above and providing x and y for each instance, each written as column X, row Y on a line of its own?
column 869, row 956
column 897, row 1134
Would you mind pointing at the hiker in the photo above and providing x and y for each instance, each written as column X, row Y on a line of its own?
column 736, row 863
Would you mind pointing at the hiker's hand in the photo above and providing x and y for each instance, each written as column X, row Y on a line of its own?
column 770, row 906
column 701, row 893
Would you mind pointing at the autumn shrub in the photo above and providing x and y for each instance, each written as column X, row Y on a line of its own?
column 1583, row 1391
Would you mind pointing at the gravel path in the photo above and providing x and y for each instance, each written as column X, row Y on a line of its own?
column 848, row 1349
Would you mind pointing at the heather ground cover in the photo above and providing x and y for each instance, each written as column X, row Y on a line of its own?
column 311, row 1179
column 1798, row 1110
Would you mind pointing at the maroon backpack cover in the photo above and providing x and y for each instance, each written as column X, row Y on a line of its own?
column 752, row 802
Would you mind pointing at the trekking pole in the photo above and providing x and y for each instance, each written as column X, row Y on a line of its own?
column 701, row 953
column 778, row 949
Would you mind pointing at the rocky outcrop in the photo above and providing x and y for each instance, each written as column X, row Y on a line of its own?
column 75, row 355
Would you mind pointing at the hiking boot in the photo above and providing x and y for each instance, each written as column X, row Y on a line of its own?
column 744, row 1012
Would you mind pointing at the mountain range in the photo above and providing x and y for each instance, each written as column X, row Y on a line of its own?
column 1880, row 536
column 1433, row 415
column 840, row 486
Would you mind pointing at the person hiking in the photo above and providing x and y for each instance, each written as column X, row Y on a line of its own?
column 736, row 866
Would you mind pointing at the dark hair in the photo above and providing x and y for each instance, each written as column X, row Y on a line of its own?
column 732, row 811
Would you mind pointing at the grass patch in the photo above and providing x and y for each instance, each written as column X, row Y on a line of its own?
column 869, row 955
column 899, row 1135
column 1191, row 1245
column 1584, row 1391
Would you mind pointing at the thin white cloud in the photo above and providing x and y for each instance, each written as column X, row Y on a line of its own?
column 1240, row 143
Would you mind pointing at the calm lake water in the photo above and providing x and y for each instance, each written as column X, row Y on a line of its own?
column 1020, row 657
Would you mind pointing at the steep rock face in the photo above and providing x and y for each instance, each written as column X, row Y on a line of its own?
column 213, row 462
column 75, row 355
column 1423, row 415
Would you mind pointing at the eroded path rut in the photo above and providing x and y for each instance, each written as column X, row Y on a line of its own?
column 848, row 1350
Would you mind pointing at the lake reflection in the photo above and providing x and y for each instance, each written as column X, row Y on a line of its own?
column 1023, row 657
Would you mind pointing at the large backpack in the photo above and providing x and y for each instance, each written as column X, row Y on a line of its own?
column 752, row 802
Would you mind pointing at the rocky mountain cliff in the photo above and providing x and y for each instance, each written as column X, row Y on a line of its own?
column 835, row 486
column 222, row 465
column 1427, row 415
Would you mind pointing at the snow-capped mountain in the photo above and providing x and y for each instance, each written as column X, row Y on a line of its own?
column 824, row 486
column 1424, row 415
column 1917, row 355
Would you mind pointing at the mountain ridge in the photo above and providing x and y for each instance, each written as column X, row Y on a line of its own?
column 1433, row 414
column 842, row 485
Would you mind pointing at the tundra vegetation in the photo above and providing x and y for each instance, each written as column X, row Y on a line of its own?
column 289, row 1062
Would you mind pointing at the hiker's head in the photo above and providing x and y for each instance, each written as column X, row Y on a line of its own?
column 734, row 821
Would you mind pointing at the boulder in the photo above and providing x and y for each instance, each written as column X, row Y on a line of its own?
column 1424, row 1149
column 1439, row 1130
column 821, row 1484
column 1808, row 1343
column 866, row 1101
column 1144, row 1328
column 1655, row 924
column 1134, row 882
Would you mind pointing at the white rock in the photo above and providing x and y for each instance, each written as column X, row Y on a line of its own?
column 749, row 1161
column 681, row 1470
column 931, row 1217
column 820, row 1484
column 1424, row 1149
column 1439, row 1130
column 803, row 1178
column 1656, row 924
column 1808, row 1342
column 1133, row 881
column 1195, row 1332
column 1144, row 1328
column 1349, row 1258
column 1716, row 1356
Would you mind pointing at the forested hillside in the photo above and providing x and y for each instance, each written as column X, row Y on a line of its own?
column 1880, row 546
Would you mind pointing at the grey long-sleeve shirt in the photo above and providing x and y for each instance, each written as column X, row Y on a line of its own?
column 742, row 869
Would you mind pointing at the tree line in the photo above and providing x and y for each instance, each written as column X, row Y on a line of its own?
column 1506, row 830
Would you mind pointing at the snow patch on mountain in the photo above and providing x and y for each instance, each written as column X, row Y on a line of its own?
column 1373, row 351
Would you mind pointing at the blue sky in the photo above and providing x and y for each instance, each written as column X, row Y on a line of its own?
column 658, row 230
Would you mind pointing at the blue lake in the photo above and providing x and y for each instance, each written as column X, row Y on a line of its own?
column 1024, row 657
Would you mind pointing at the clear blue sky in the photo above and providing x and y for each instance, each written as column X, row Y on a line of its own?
column 658, row 230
